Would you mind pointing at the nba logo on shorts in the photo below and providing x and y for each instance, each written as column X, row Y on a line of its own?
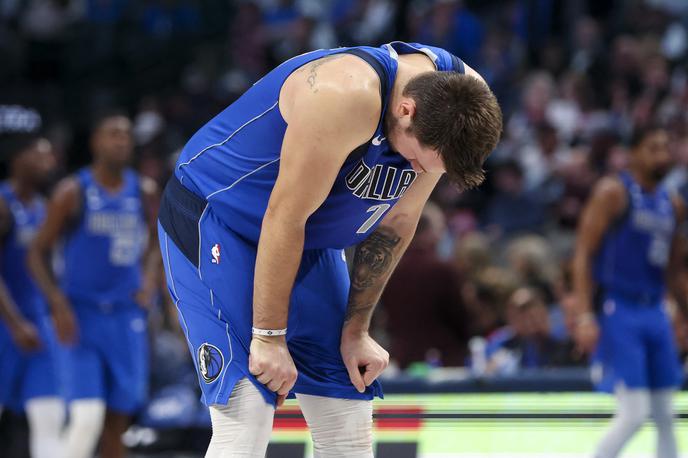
column 215, row 251
column 210, row 362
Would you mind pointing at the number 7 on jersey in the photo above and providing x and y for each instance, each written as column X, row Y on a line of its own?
column 378, row 211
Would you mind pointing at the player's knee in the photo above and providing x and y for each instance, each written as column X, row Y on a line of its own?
column 46, row 415
column 661, row 409
column 340, row 427
column 242, row 426
column 86, row 417
column 635, row 409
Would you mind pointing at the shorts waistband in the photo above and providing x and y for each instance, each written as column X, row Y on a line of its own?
column 180, row 213
column 635, row 298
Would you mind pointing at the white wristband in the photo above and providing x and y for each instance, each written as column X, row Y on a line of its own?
column 269, row 332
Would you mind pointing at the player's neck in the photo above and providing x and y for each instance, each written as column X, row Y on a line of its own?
column 646, row 183
column 23, row 189
column 409, row 66
column 108, row 177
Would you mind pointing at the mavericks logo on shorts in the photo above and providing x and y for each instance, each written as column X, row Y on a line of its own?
column 210, row 362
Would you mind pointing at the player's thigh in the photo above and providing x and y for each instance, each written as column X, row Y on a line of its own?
column 11, row 368
column 46, row 369
column 664, row 367
column 84, row 372
column 317, row 311
column 218, row 339
column 125, row 355
column 339, row 427
column 622, row 349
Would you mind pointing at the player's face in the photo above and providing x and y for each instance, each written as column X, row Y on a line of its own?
column 652, row 155
column 38, row 162
column 113, row 142
column 422, row 158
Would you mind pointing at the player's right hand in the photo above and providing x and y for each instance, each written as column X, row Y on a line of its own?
column 63, row 318
column 25, row 335
column 586, row 334
column 269, row 360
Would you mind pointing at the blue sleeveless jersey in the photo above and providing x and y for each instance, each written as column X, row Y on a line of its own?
column 634, row 254
column 26, row 219
column 103, row 252
column 232, row 161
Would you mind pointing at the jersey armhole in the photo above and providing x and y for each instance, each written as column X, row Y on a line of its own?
column 457, row 64
column 5, row 232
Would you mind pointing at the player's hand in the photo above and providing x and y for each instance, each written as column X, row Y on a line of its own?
column 269, row 360
column 144, row 298
column 586, row 334
column 364, row 358
column 63, row 318
column 25, row 335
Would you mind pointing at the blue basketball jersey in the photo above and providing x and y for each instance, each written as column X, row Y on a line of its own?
column 26, row 219
column 103, row 252
column 635, row 252
column 232, row 162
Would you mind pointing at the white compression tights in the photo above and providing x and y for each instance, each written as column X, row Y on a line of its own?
column 633, row 409
column 242, row 427
column 86, row 417
column 46, row 416
column 340, row 428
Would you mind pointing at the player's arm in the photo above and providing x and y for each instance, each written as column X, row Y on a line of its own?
column 677, row 275
column 62, row 208
column 152, row 259
column 329, row 113
column 374, row 261
column 605, row 205
column 23, row 332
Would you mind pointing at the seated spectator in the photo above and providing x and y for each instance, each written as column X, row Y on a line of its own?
column 512, row 210
column 425, row 316
column 526, row 341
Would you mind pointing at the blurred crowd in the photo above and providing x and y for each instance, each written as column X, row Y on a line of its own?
column 573, row 79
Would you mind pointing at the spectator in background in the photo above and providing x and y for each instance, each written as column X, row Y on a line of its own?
column 530, row 258
column 426, row 320
column 526, row 341
column 512, row 209
column 485, row 297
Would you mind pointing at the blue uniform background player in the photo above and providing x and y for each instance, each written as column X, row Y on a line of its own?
column 31, row 361
column 265, row 196
column 630, row 250
column 102, row 215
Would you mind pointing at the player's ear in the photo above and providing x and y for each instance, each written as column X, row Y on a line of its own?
column 405, row 112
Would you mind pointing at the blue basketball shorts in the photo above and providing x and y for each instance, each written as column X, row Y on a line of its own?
column 29, row 375
column 215, row 306
column 637, row 347
column 110, row 360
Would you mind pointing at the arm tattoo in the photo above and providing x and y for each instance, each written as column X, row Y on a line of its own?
column 313, row 67
column 312, row 73
column 374, row 260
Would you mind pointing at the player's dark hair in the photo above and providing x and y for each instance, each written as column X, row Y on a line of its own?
column 101, row 116
column 639, row 133
column 458, row 115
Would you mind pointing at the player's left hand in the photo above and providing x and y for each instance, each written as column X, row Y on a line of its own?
column 364, row 358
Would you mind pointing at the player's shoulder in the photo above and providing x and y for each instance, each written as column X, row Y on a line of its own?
column 342, row 79
column 610, row 192
column 67, row 193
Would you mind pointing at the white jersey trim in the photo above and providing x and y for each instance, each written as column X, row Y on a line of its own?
column 255, row 118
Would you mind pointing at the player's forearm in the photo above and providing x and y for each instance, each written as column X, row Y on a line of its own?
column 582, row 281
column 9, row 312
column 38, row 261
column 678, row 288
column 374, row 261
column 279, row 255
